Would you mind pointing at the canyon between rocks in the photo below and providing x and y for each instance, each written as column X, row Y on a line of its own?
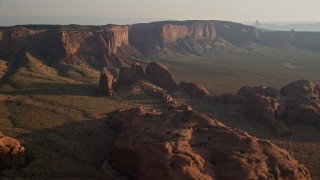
column 160, row 100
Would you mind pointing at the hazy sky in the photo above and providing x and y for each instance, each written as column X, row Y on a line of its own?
column 233, row 10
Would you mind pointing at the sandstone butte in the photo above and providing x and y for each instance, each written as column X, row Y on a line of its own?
column 106, row 82
column 161, row 82
column 190, row 145
column 161, row 76
column 128, row 76
column 12, row 154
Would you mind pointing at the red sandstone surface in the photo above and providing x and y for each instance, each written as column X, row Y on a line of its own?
column 190, row 145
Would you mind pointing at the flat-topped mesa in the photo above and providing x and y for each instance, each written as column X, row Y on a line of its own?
column 101, row 41
column 159, row 33
column 12, row 154
column 67, row 43
column 236, row 32
column 106, row 82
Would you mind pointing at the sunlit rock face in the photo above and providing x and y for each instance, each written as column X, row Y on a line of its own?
column 190, row 145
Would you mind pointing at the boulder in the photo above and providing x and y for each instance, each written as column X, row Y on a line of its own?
column 190, row 145
column 12, row 154
column 129, row 76
column 106, row 82
column 193, row 89
column 161, row 76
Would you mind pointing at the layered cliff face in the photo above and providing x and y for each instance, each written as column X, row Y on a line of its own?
column 237, row 33
column 96, row 46
column 159, row 34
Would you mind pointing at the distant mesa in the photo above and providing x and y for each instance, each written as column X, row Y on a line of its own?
column 119, row 46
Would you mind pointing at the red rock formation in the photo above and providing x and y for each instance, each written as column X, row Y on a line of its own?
column 129, row 76
column 12, row 154
column 193, row 89
column 161, row 76
column 301, row 104
column 260, row 104
column 106, row 82
column 160, row 33
column 264, row 109
column 156, row 92
column 163, row 96
column 237, row 33
column 96, row 46
column 190, row 145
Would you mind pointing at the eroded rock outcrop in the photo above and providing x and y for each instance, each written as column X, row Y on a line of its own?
column 298, row 103
column 94, row 46
column 128, row 76
column 106, row 82
column 190, row 145
column 264, row 109
column 260, row 104
column 301, row 103
column 12, row 154
column 163, row 96
column 193, row 89
column 161, row 76
column 302, row 89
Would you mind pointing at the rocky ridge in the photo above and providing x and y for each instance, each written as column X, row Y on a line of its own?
column 296, row 103
column 190, row 145
column 186, row 144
